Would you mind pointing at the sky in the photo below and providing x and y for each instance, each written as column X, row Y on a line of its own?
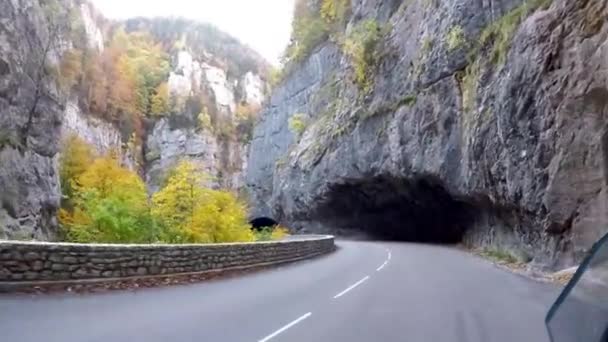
column 264, row 25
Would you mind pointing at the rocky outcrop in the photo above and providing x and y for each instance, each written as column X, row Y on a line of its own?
column 478, row 127
column 180, row 136
column 166, row 146
column 100, row 134
column 30, row 122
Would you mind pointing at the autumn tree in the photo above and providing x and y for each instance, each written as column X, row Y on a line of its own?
column 246, row 115
column 309, row 29
column 194, row 213
column 70, row 69
column 176, row 202
column 122, row 92
column 110, row 206
column 125, row 81
column 96, row 85
column 204, row 119
column 76, row 157
column 160, row 100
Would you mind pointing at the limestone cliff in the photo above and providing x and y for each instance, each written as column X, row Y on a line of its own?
column 31, row 109
column 483, row 121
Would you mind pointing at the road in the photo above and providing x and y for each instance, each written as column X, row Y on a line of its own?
column 366, row 291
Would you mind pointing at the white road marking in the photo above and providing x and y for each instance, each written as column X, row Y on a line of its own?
column 388, row 258
column 274, row 334
column 382, row 266
column 351, row 287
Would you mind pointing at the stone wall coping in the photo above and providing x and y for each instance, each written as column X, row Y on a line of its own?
column 16, row 243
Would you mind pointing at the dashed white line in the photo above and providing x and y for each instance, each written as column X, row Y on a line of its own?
column 382, row 266
column 274, row 334
column 388, row 258
column 351, row 287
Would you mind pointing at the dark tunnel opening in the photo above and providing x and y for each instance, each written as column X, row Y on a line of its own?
column 395, row 209
column 259, row 223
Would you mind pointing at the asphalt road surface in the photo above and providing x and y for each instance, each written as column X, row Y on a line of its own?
column 366, row 291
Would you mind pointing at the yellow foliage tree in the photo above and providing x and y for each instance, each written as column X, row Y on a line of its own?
column 107, row 177
column 204, row 120
column 122, row 92
column 221, row 218
column 110, row 206
column 176, row 202
column 160, row 100
column 70, row 69
column 193, row 213
column 76, row 157
column 334, row 10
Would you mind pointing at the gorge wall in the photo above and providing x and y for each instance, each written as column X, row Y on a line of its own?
column 445, row 121
column 56, row 81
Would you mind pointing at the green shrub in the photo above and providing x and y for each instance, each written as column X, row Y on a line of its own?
column 298, row 123
column 311, row 27
column 361, row 46
column 308, row 32
column 263, row 234
column 271, row 233
column 501, row 32
column 427, row 45
column 334, row 11
column 108, row 202
column 498, row 37
column 501, row 255
column 455, row 38
column 469, row 85
column 409, row 100
column 204, row 120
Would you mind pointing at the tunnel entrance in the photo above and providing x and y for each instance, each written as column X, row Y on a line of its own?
column 396, row 209
column 259, row 223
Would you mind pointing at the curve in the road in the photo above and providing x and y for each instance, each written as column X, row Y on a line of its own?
column 342, row 293
column 388, row 292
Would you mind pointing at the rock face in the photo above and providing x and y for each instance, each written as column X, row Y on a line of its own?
column 166, row 146
column 468, row 133
column 179, row 137
column 30, row 123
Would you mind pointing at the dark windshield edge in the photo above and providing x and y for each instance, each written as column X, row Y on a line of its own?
column 577, row 275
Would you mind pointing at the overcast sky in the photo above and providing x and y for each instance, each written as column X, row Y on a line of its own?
column 265, row 25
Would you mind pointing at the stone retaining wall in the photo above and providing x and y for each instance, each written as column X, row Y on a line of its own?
column 30, row 263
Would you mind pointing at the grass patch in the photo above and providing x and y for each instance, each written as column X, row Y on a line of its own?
column 271, row 233
column 501, row 32
column 500, row 255
column 455, row 38
column 298, row 123
column 469, row 80
column 427, row 45
column 10, row 140
column 497, row 37
column 311, row 27
column 361, row 45
column 409, row 100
